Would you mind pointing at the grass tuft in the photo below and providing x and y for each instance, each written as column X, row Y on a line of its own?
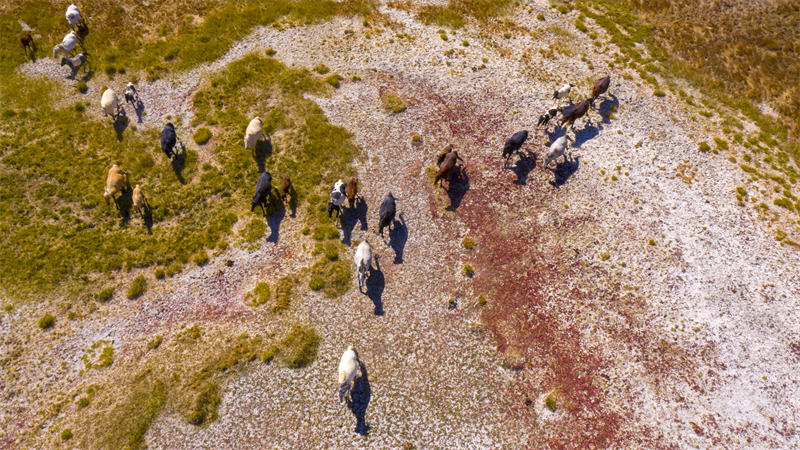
column 47, row 321
column 392, row 103
column 299, row 348
column 202, row 136
column 137, row 287
column 259, row 295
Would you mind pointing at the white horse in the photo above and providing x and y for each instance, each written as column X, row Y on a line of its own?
column 349, row 369
column 67, row 45
column 363, row 260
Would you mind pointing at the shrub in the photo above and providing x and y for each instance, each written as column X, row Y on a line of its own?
column 704, row 147
column 105, row 295
column 469, row 271
column 659, row 93
column 550, row 402
column 722, row 144
column 47, row 321
column 651, row 242
column 481, row 300
column 540, row 16
column 271, row 52
column 468, row 243
column 259, row 295
column 160, row 274
column 392, row 103
column 321, row 69
column 66, row 434
column 202, row 135
column 82, row 87
column 137, row 287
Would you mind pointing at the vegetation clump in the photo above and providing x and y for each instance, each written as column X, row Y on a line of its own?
column 299, row 348
column 259, row 295
column 105, row 295
column 392, row 103
column 283, row 293
column 46, row 321
column 136, row 288
column 202, row 136
column 468, row 243
column 468, row 270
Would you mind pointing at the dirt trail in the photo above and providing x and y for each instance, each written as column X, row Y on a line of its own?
column 685, row 342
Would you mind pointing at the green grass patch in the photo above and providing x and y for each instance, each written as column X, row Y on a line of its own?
column 469, row 271
column 468, row 243
column 204, row 408
column 47, row 321
column 259, row 295
column 137, row 287
column 202, row 136
column 200, row 258
column 331, row 276
column 60, row 218
column 283, row 293
column 105, row 295
column 333, row 79
column 99, row 355
column 299, row 347
column 392, row 103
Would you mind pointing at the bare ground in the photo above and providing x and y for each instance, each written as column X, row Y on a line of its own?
column 691, row 341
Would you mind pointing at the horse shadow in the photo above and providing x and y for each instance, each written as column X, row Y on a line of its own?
column 523, row 167
column 262, row 150
column 398, row 236
column 360, row 395
column 139, row 109
column 585, row 134
column 121, row 122
column 356, row 214
column 87, row 75
column 124, row 203
column 147, row 218
column 376, row 283
column 565, row 170
column 178, row 162
column 274, row 220
column 608, row 106
column 457, row 187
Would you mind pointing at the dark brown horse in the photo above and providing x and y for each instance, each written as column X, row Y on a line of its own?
column 27, row 42
column 600, row 87
column 286, row 189
column 446, row 162
column 574, row 112
column 351, row 190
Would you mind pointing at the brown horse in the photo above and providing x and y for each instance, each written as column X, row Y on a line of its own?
column 446, row 162
column 286, row 189
column 351, row 190
column 600, row 87
column 27, row 42
column 574, row 112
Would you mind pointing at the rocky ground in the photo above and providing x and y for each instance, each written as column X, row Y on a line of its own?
column 627, row 282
